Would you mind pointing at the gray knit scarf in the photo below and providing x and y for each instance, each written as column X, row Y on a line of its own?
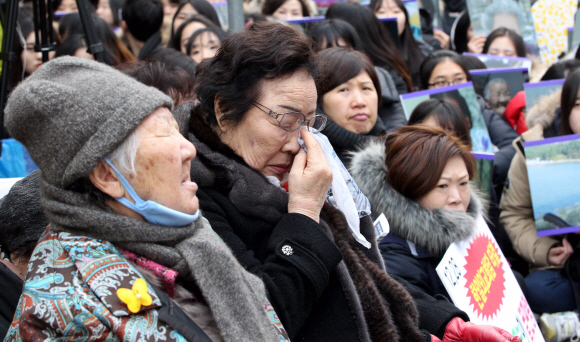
column 235, row 297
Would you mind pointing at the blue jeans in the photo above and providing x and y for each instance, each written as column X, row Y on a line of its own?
column 549, row 291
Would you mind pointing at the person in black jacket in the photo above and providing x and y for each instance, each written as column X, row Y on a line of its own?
column 324, row 284
column 334, row 33
column 428, row 205
column 348, row 93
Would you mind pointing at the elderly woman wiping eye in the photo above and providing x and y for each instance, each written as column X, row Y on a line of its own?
column 323, row 283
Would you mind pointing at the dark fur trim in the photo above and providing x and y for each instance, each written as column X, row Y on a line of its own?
column 389, row 310
column 432, row 230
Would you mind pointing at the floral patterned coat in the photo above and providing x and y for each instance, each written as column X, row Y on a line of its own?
column 70, row 293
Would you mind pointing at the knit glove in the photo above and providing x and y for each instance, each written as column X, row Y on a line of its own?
column 459, row 331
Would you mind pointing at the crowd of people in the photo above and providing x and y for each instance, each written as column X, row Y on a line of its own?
column 186, row 183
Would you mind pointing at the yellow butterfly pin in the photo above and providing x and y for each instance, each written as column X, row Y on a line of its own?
column 136, row 297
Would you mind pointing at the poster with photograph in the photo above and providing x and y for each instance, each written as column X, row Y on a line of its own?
column 464, row 96
column 480, row 282
column 487, row 15
column 221, row 8
column 412, row 8
column 553, row 167
column 502, row 62
column 499, row 86
column 551, row 19
column 484, row 164
column 536, row 91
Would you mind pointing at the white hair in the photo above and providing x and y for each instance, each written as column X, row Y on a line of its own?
column 125, row 154
column 487, row 91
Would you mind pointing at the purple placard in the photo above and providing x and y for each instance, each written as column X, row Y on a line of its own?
column 486, row 156
column 496, row 71
column 388, row 19
column 436, row 90
column 544, row 83
column 221, row 3
column 407, row 1
column 558, row 231
column 523, row 59
column 552, row 140
column 571, row 28
column 306, row 20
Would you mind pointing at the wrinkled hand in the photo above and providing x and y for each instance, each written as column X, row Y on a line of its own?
column 476, row 43
column 309, row 180
column 557, row 256
column 459, row 331
column 442, row 38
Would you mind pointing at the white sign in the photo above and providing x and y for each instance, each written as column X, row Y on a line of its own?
column 381, row 227
column 480, row 282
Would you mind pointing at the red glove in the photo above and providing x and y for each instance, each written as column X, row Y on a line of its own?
column 459, row 331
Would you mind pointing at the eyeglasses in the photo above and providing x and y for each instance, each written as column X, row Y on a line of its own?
column 442, row 83
column 292, row 121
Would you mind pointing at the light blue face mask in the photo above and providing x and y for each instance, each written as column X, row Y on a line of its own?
column 153, row 212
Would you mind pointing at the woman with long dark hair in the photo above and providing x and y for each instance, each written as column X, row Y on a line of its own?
column 505, row 42
column 414, row 50
column 335, row 33
column 376, row 42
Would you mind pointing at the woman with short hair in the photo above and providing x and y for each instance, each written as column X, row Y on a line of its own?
column 427, row 198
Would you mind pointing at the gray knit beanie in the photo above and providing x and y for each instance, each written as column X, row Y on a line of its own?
column 72, row 112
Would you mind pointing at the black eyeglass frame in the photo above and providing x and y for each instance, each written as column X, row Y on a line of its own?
column 305, row 122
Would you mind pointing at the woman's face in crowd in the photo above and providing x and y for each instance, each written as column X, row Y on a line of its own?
column 453, row 191
column 337, row 43
column 169, row 8
column 389, row 9
column 188, row 32
column 502, row 46
column 186, row 12
column 446, row 73
column 31, row 60
column 354, row 104
column 291, row 9
column 163, row 162
column 204, row 46
column 67, row 6
column 575, row 115
column 258, row 138
column 104, row 12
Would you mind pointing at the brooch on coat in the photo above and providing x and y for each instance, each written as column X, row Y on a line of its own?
column 135, row 297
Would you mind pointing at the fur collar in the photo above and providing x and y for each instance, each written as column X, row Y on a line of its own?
column 544, row 111
column 433, row 230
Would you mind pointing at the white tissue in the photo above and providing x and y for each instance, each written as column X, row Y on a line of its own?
column 343, row 191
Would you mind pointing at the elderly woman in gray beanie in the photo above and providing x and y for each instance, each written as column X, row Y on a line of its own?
column 126, row 255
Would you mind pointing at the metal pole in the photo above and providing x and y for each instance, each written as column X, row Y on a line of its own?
column 236, row 15
column 7, row 56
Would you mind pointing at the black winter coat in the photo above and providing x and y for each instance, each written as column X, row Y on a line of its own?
column 417, row 266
